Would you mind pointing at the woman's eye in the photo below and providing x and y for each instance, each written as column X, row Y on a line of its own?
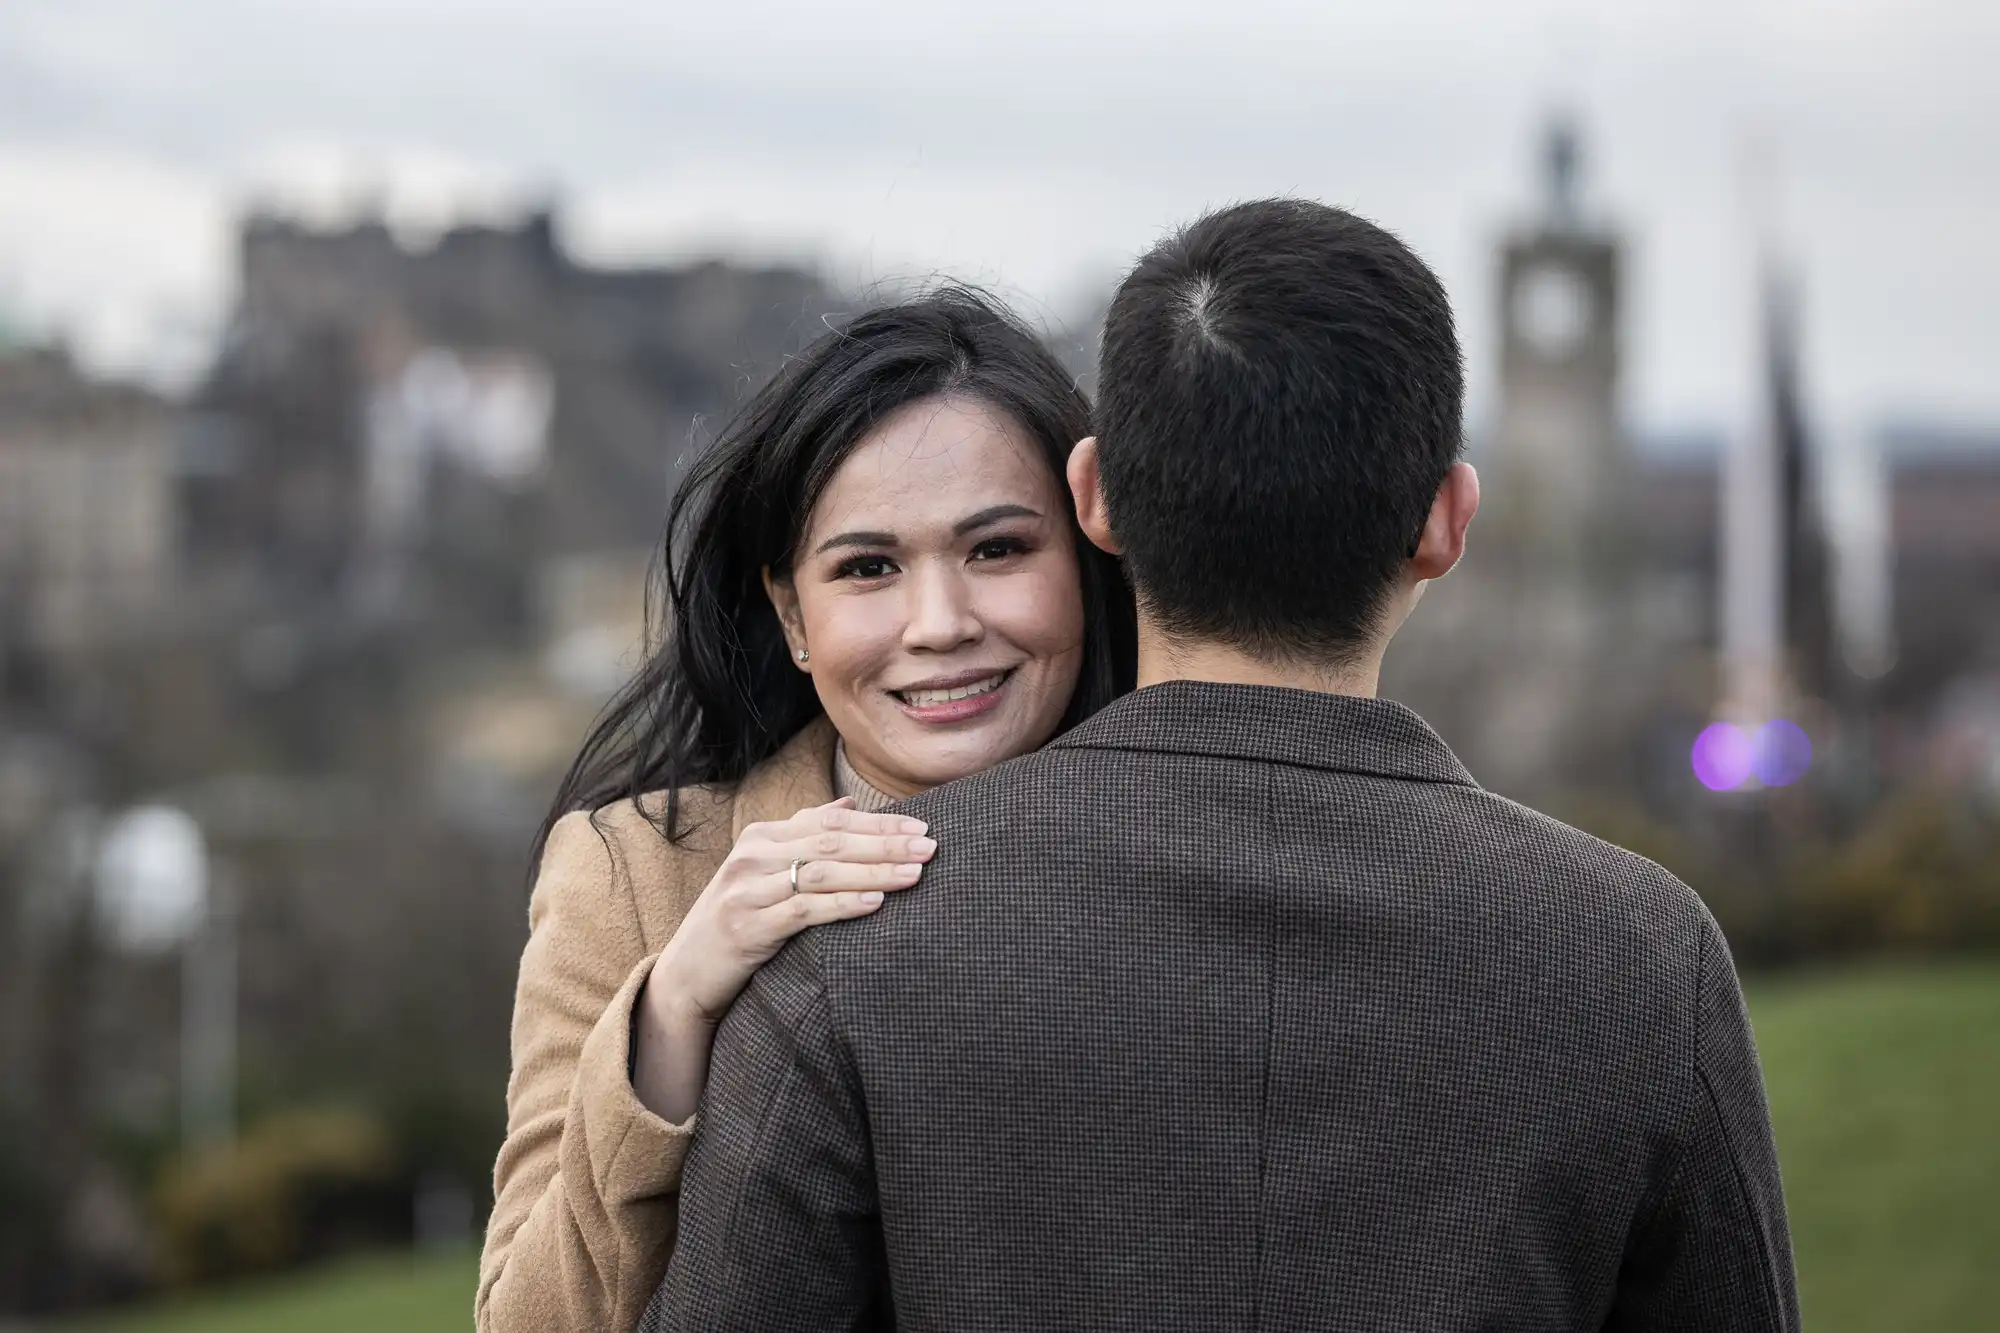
column 998, row 548
column 866, row 567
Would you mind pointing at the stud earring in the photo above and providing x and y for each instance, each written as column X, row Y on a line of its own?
column 803, row 654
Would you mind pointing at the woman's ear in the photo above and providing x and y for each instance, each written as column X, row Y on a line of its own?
column 785, row 601
column 1092, row 514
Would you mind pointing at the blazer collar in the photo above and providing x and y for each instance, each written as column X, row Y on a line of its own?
column 1270, row 724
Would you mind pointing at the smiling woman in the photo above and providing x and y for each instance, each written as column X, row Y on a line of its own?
column 875, row 584
column 939, row 609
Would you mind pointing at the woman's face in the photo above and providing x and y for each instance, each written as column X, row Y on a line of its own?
column 937, row 596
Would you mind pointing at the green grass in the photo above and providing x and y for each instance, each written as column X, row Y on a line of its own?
column 382, row 1294
column 1885, row 1089
column 1885, row 1092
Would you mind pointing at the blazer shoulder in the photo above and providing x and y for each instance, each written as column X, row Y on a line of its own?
column 1001, row 795
column 1623, row 889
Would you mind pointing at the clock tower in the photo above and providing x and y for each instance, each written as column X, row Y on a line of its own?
column 1557, row 458
column 1554, row 600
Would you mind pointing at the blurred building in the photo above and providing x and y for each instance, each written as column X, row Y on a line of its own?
column 1557, row 447
column 1943, row 510
column 1555, row 540
column 88, row 520
column 364, row 380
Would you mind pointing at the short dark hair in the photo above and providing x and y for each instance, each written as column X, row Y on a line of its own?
column 719, row 694
column 1280, row 394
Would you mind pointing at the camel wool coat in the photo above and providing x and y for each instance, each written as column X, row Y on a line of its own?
column 585, row 1191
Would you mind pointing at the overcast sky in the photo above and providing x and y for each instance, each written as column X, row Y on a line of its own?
column 1039, row 147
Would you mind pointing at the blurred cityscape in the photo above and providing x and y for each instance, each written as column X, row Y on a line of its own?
column 289, row 665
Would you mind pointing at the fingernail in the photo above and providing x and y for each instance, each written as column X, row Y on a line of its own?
column 915, row 826
column 871, row 899
column 922, row 846
column 908, row 872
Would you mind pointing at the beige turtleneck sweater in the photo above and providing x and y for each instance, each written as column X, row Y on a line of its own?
column 847, row 782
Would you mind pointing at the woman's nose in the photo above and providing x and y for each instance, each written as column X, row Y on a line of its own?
column 941, row 616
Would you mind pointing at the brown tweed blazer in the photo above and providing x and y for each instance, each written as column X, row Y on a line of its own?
column 1242, row 1008
column 585, row 1186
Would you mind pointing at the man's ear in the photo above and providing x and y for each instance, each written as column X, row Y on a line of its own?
column 1092, row 514
column 1443, row 539
column 785, row 601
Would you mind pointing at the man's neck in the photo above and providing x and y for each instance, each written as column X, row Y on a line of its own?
column 1163, row 657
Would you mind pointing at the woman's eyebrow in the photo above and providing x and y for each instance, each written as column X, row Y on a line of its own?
column 970, row 523
column 992, row 514
column 855, row 539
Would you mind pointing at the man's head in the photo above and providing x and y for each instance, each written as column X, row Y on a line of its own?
column 1279, row 419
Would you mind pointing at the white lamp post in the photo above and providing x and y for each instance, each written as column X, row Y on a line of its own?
column 156, row 892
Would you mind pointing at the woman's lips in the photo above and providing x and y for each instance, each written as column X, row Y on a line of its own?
column 955, row 703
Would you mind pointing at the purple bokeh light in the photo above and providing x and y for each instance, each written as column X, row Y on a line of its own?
column 1722, row 756
column 1781, row 753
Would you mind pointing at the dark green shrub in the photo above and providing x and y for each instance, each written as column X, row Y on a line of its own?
column 298, row 1185
column 1921, row 875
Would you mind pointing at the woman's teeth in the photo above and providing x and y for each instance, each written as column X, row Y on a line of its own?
column 931, row 698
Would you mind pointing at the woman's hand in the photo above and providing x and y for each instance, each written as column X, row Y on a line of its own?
column 846, row 862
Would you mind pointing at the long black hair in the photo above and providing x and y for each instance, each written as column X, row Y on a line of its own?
column 718, row 695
